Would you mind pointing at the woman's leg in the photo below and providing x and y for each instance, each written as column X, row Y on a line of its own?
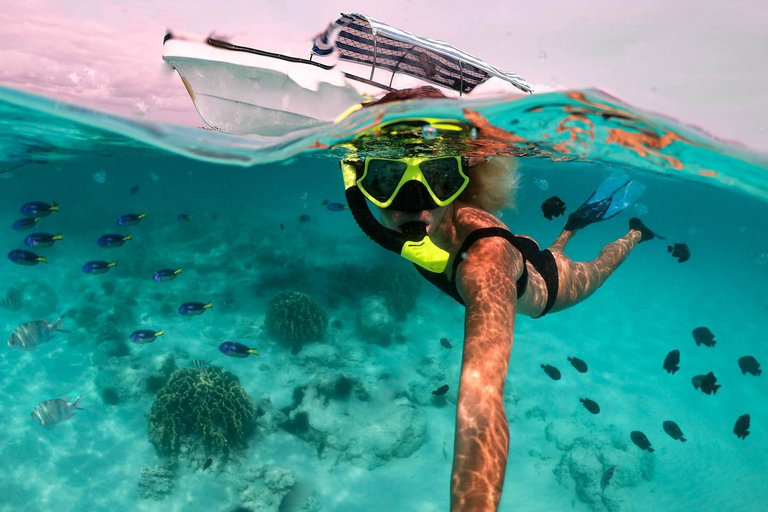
column 579, row 280
column 559, row 244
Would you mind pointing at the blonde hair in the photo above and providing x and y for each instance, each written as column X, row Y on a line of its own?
column 492, row 184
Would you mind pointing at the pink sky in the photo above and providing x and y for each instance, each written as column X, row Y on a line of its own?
column 700, row 61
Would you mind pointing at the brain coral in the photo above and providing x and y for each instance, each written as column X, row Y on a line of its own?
column 294, row 318
column 204, row 409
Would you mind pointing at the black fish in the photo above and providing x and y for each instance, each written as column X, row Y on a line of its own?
column 577, row 363
column 741, row 429
column 444, row 342
column 641, row 441
column 134, row 190
column 706, row 383
column 590, row 405
column 672, row 362
column 441, row 390
column 550, row 370
column 680, row 251
column 749, row 364
column 207, row 464
column 671, row 428
column 282, row 226
column 607, row 478
column 553, row 207
column 703, row 336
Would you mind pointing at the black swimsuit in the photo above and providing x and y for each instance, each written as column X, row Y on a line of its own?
column 542, row 261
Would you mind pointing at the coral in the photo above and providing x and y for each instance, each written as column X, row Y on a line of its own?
column 398, row 284
column 586, row 454
column 273, row 488
column 374, row 322
column 205, row 409
column 338, row 415
column 157, row 481
column 294, row 318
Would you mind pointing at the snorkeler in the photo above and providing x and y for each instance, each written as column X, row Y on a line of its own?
column 435, row 208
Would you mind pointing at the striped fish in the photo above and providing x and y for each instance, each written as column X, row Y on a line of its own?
column 199, row 364
column 11, row 302
column 52, row 412
column 607, row 478
column 29, row 335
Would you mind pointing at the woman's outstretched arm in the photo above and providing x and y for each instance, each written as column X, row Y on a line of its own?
column 486, row 282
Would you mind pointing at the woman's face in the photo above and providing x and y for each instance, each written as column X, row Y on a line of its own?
column 394, row 219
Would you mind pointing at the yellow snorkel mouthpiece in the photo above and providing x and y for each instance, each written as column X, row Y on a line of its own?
column 426, row 254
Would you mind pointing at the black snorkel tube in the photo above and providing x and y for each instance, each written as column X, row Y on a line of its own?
column 413, row 244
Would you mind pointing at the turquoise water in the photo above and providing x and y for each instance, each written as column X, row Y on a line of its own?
column 388, row 444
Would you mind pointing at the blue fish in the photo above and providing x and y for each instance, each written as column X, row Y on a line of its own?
column 110, row 241
column 337, row 207
column 98, row 266
column 304, row 218
column 193, row 308
column 41, row 239
column 235, row 349
column 22, row 257
column 38, row 209
column 184, row 217
column 145, row 335
column 26, row 223
column 199, row 364
column 166, row 274
column 130, row 219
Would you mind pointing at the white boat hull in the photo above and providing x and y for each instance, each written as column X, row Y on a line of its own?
column 243, row 93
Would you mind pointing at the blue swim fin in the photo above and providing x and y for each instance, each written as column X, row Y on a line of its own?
column 613, row 195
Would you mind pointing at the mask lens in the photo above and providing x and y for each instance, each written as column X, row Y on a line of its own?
column 382, row 177
column 443, row 176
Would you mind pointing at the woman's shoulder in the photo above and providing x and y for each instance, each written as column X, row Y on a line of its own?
column 470, row 218
column 485, row 256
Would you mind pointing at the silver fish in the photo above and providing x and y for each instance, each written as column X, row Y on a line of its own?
column 52, row 412
column 29, row 335
column 542, row 184
column 607, row 478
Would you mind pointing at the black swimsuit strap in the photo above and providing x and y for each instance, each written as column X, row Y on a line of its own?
column 543, row 261
column 522, row 282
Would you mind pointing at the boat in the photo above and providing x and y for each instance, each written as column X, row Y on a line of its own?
column 248, row 91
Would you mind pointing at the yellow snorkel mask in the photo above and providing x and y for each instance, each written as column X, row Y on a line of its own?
column 381, row 179
column 410, row 183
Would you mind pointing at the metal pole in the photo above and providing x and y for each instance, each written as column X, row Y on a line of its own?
column 373, row 68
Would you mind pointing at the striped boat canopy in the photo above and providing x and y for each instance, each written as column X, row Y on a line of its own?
column 364, row 40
